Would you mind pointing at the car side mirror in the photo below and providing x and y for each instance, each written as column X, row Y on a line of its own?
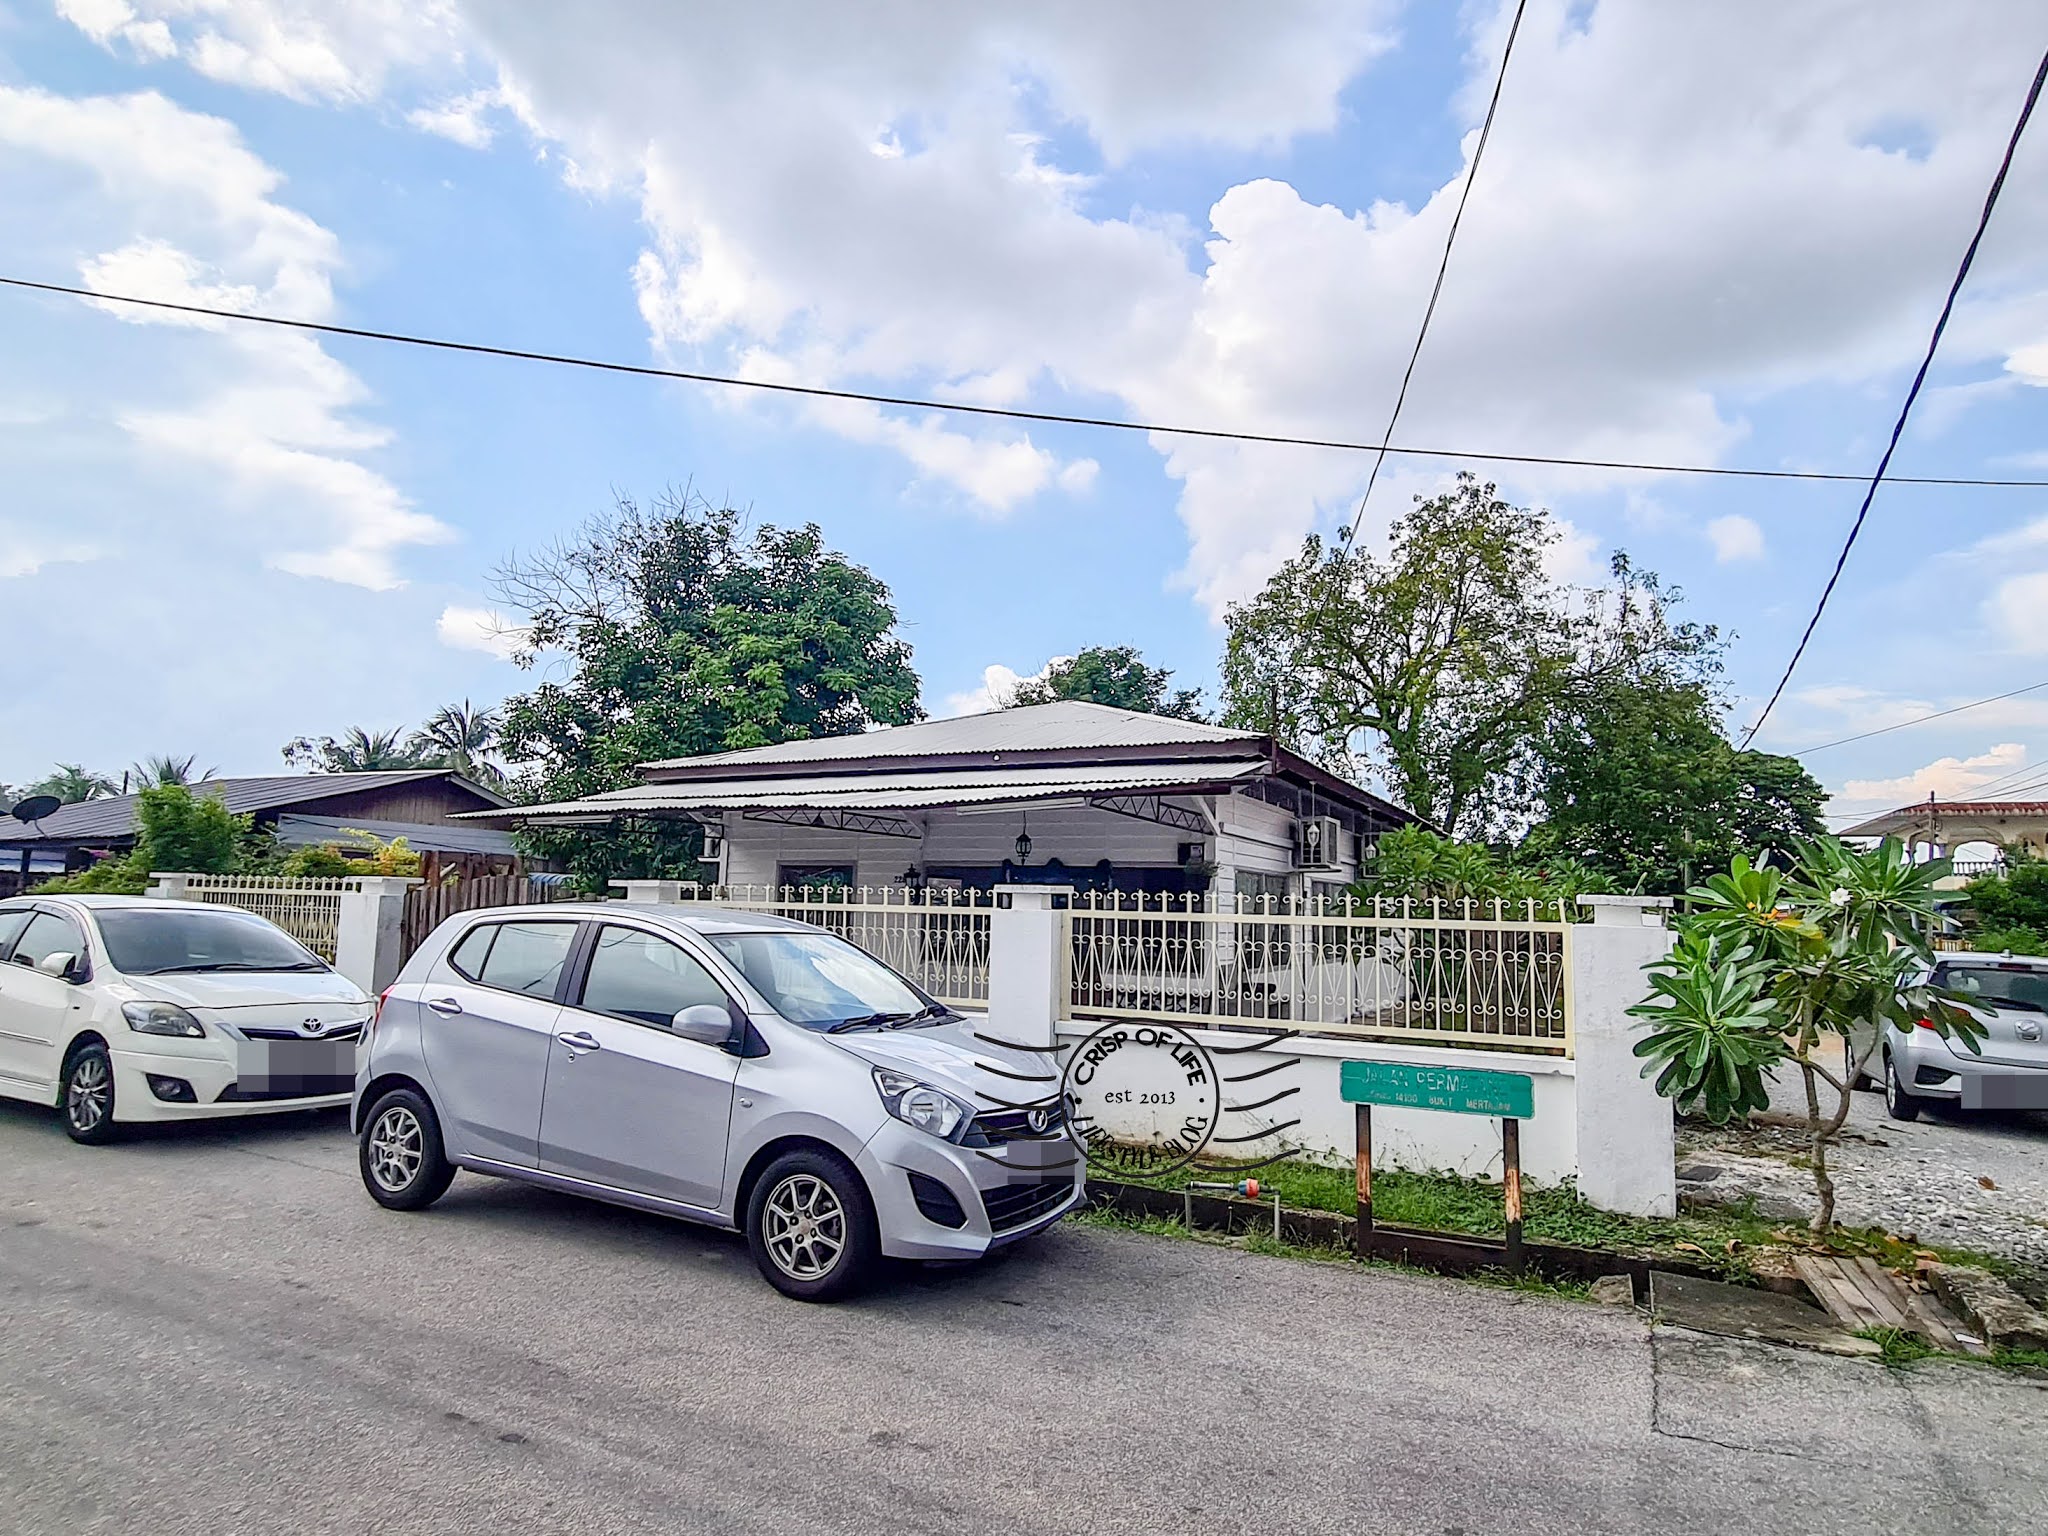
column 706, row 1023
column 61, row 964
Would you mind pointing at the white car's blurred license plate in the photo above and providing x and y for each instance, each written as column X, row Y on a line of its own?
column 305, row 1066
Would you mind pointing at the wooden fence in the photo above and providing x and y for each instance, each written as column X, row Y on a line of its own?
column 428, row 906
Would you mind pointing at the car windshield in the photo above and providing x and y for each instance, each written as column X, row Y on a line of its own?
column 1998, row 986
column 150, row 941
column 823, row 982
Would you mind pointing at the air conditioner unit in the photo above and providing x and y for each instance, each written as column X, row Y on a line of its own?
column 1318, row 841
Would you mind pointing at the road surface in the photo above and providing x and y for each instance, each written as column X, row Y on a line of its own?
column 212, row 1329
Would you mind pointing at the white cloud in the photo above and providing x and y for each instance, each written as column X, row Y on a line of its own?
column 479, row 629
column 1946, row 778
column 2018, row 610
column 1735, row 537
column 460, row 118
column 999, row 685
column 267, row 414
column 22, row 553
column 1649, row 252
column 2030, row 363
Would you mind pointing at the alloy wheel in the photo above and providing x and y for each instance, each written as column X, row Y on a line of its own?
column 397, row 1147
column 804, row 1225
column 88, row 1094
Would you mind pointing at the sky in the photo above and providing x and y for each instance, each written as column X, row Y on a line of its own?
column 1702, row 234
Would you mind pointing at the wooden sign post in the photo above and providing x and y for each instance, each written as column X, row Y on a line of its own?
column 1454, row 1090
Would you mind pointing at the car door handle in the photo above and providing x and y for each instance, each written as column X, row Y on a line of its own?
column 581, row 1040
column 444, row 1005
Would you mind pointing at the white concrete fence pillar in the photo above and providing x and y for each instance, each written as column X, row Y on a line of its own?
column 1625, row 1127
column 366, row 929
column 1027, row 964
column 653, row 892
column 170, row 887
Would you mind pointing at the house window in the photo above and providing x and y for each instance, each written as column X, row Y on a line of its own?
column 828, row 877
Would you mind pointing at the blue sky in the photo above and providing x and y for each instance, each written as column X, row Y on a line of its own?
column 211, row 542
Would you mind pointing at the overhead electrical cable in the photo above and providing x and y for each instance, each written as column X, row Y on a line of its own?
column 1442, row 266
column 1009, row 413
column 1912, row 394
column 1884, row 730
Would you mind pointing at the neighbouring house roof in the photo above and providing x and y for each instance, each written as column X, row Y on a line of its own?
column 1027, row 756
column 112, row 818
column 1911, row 817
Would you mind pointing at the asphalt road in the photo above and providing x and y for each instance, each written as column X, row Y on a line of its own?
column 212, row 1329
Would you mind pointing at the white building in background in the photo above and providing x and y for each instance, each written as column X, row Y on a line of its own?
column 1052, row 794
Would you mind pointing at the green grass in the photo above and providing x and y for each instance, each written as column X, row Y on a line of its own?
column 1898, row 1346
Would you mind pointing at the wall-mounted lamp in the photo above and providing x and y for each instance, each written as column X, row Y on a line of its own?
column 1024, row 841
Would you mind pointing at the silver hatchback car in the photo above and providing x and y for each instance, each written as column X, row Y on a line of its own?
column 2009, row 1070
column 725, row 1067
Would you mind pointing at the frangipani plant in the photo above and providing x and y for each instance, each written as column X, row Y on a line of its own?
column 1769, row 964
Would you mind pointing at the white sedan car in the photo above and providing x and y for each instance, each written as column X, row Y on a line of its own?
column 120, row 1008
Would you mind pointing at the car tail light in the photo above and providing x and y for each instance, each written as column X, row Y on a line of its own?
column 370, row 1034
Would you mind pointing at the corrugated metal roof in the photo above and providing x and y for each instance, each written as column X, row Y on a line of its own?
column 1069, row 725
column 113, row 818
column 903, row 790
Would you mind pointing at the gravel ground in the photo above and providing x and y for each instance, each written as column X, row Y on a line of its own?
column 1964, row 1180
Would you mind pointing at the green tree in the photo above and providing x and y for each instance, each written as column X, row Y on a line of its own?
column 1115, row 675
column 71, row 783
column 356, row 751
column 2011, row 901
column 175, row 830
column 1770, row 964
column 1636, row 780
column 459, row 736
column 679, row 634
column 1441, row 663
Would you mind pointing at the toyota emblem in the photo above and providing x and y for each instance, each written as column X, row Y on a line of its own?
column 1040, row 1121
column 315, row 1026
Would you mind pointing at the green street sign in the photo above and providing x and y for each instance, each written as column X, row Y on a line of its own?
column 1461, row 1090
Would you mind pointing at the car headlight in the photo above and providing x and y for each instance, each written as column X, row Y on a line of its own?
column 162, row 1019
column 919, row 1104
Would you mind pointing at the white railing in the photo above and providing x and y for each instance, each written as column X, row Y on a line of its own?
column 1977, row 866
column 1456, row 973
column 308, row 910
column 939, row 939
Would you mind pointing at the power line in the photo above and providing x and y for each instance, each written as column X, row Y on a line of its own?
column 1938, row 714
column 1443, row 266
column 1010, row 413
column 1899, row 427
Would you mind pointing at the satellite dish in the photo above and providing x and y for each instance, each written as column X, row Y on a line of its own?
column 36, row 807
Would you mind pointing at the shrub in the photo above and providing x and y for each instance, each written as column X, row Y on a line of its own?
column 109, row 877
column 2017, row 941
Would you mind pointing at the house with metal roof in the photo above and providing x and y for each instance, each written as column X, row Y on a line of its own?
column 1068, row 793
column 299, row 809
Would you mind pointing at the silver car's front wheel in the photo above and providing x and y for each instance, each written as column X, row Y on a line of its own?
column 804, row 1227
column 811, row 1223
column 397, row 1147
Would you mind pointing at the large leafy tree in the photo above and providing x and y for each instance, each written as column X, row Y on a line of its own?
column 1115, row 675
column 1636, row 780
column 679, row 632
column 1440, row 663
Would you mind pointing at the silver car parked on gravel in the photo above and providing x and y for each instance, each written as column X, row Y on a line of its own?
column 2008, row 1070
column 725, row 1067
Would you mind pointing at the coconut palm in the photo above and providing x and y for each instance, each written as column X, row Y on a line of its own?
column 357, row 751
column 72, row 782
column 161, row 769
column 458, row 736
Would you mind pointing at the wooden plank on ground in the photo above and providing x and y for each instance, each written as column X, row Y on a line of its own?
column 1936, row 1329
column 1843, row 1300
column 1879, row 1289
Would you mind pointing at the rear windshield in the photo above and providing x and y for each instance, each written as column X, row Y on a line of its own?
column 1993, row 986
column 151, row 941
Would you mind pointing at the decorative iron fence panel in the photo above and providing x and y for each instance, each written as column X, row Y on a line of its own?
column 939, row 939
column 1465, row 973
column 308, row 910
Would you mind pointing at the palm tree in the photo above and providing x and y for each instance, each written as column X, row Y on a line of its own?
column 72, row 782
column 458, row 736
column 161, row 769
column 361, row 751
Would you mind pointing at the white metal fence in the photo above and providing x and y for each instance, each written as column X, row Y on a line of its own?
column 308, row 910
column 1454, row 973
column 939, row 939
